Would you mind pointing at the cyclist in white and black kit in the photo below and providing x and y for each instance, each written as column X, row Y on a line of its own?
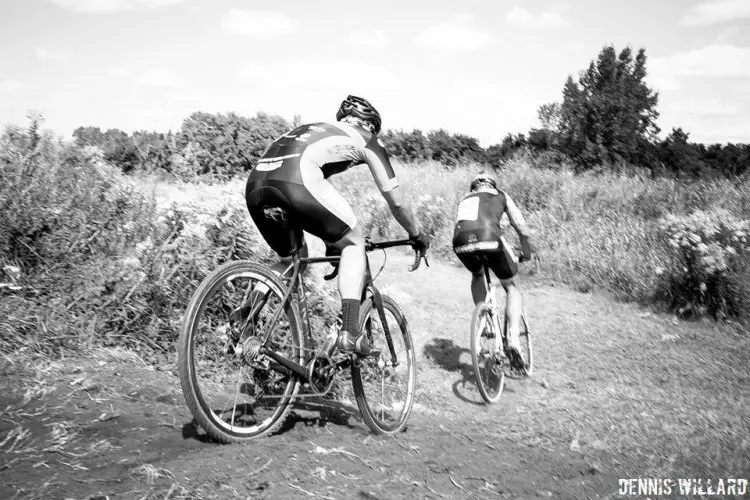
column 478, row 239
column 292, row 175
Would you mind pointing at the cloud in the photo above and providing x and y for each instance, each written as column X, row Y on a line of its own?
column 159, row 77
column 368, row 39
column 257, row 23
column 111, row 6
column 734, row 35
column 8, row 87
column 518, row 16
column 318, row 73
column 455, row 36
column 56, row 55
column 120, row 71
column 707, row 13
column 711, row 107
column 722, row 132
column 663, row 83
column 313, row 86
column 710, row 61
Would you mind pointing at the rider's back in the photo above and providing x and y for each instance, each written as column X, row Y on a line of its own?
column 483, row 208
column 331, row 147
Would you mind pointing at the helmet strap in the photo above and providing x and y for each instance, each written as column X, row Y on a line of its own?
column 358, row 121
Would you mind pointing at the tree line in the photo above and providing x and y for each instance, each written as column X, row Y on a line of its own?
column 605, row 119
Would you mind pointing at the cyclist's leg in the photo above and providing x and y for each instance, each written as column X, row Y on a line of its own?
column 281, row 233
column 326, row 214
column 471, row 261
column 351, row 281
column 478, row 288
column 512, row 310
column 505, row 266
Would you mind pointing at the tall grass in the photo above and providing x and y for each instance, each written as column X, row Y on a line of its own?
column 93, row 256
column 592, row 230
column 89, row 256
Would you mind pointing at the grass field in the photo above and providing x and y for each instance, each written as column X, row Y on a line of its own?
column 99, row 267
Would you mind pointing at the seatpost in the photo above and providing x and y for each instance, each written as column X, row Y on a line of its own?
column 488, row 283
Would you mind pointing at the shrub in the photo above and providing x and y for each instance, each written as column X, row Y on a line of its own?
column 68, row 219
column 708, row 266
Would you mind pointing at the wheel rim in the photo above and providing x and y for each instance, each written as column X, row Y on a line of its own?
column 241, row 398
column 526, row 345
column 388, row 390
column 488, row 362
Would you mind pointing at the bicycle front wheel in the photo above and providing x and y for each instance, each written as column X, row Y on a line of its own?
column 235, row 396
column 384, row 385
column 525, row 336
column 486, row 354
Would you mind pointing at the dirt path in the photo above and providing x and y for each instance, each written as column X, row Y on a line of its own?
column 619, row 392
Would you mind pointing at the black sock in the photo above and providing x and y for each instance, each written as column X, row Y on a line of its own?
column 350, row 315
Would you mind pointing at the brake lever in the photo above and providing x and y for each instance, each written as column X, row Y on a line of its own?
column 333, row 274
column 418, row 256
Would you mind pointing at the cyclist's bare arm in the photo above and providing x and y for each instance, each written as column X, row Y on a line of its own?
column 516, row 218
column 385, row 178
column 402, row 210
column 519, row 224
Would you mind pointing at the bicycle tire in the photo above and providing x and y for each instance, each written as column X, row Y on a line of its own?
column 526, row 341
column 361, row 380
column 488, row 369
column 207, row 418
column 526, row 345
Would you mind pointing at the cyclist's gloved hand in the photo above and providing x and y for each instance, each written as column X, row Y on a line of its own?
column 421, row 242
column 332, row 251
column 527, row 248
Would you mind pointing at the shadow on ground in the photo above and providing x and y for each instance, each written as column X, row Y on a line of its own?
column 446, row 355
column 314, row 412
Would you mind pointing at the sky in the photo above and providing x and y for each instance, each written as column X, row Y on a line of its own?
column 473, row 67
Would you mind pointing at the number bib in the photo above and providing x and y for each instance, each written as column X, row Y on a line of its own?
column 468, row 209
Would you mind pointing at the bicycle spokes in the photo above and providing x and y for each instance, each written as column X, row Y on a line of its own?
column 384, row 384
column 487, row 354
column 236, row 387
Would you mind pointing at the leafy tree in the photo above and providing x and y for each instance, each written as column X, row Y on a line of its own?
column 225, row 145
column 497, row 154
column 681, row 156
column 550, row 116
column 117, row 147
column 88, row 136
column 610, row 114
column 469, row 149
column 155, row 149
column 406, row 146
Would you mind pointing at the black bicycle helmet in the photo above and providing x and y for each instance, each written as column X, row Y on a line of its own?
column 485, row 178
column 361, row 108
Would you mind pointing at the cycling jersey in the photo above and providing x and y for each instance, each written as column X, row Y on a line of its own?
column 478, row 236
column 292, row 174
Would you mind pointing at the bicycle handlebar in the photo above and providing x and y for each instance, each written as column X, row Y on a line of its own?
column 534, row 261
column 382, row 245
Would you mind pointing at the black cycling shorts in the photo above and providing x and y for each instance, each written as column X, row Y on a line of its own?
column 478, row 246
column 326, row 215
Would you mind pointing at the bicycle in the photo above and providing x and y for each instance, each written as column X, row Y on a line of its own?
column 491, row 362
column 269, row 348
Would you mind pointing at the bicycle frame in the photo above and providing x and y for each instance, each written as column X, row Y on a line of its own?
column 491, row 300
column 296, row 280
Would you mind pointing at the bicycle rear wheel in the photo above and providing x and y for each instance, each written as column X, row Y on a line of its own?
column 487, row 360
column 384, row 385
column 236, row 397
